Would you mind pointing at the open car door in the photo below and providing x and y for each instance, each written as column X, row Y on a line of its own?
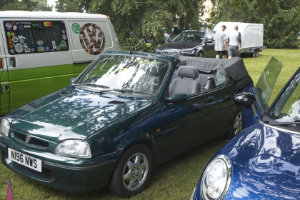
column 266, row 83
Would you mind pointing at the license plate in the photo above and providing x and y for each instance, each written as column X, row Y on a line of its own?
column 25, row 160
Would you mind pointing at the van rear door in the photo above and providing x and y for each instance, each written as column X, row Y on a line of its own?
column 89, row 38
column 38, row 58
column 4, row 85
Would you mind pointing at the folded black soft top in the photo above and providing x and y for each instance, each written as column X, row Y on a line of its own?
column 233, row 68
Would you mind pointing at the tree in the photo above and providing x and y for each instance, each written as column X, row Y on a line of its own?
column 29, row 5
column 281, row 18
column 73, row 5
column 138, row 20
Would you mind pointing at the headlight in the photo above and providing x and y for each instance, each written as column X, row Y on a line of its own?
column 74, row 148
column 189, row 51
column 216, row 178
column 4, row 127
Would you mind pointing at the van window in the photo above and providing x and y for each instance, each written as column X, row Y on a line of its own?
column 35, row 36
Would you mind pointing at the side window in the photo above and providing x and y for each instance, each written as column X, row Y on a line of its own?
column 25, row 37
column 220, row 78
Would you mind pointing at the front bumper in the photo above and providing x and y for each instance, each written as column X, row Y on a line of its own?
column 62, row 173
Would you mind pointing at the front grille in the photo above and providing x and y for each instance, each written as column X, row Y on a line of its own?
column 32, row 140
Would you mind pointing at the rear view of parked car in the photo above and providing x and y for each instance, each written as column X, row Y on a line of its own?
column 191, row 43
column 41, row 51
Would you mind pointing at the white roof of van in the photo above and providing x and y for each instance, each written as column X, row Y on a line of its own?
column 48, row 14
column 240, row 25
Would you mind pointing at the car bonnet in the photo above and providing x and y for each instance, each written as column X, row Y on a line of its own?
column 265, row 163
column 73, row 113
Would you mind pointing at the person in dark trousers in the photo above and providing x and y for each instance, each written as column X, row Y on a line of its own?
column 221, row 44
column 235, row 43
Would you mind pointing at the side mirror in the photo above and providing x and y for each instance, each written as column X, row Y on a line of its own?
column 72, row 80
column 177, row 98
column 244, row 99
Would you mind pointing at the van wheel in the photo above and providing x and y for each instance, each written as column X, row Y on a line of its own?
column 257, row 53
column 254, row 53
column 132, row 172
column 236, row 126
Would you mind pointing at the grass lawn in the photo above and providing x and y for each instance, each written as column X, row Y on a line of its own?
column 176, row 178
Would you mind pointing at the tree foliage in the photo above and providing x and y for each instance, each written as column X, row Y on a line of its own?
column 281, row 18
column 29, row 5
column 136, row 21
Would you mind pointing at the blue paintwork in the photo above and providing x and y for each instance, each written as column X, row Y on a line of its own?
column 265, row 163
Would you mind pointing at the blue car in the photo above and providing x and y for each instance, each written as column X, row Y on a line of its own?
column 263, row 160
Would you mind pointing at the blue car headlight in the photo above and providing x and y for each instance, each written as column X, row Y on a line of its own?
column 216, row 178
column 74, row 148
column 4, row 127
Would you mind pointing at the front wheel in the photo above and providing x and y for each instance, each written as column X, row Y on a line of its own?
column 201, row 54
column 132, row 172
column 236, row 126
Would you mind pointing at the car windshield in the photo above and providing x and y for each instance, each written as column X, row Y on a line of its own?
column 286, row 109
column 126, row 74
column 189, row 37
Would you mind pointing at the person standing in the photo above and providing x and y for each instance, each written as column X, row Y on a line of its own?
column 235, row 43
column 221, row 44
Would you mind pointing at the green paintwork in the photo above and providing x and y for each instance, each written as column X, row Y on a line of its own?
column 32, row 83
column 110, row 122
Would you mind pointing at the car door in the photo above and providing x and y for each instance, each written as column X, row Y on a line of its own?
column 4, row 85
column 202, row 117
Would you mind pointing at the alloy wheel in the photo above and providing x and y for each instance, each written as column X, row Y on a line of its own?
column 135, row 171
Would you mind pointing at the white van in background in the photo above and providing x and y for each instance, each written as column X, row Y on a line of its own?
column 41, row 51
column 252, row 36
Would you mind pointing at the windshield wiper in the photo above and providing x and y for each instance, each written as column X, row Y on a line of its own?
column 90, row 84
column 273, row 122
column 130, row 91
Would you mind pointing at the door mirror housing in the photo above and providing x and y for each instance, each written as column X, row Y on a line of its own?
column 244, row 99
column 177, row 98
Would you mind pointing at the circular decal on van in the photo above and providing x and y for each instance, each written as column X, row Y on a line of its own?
column 76, row 28
column 92, row 39
column 19, row 48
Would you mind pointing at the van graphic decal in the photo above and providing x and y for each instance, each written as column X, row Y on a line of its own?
column 92, row 38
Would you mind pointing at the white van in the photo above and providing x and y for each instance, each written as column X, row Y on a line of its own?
column 41, row 51
column 252, row 36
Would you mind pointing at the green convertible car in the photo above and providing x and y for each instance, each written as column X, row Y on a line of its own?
column 126, row 113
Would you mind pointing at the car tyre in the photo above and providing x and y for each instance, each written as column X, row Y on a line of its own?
column 254, row 53
column 236, row 125
column 132, row 172
column 201, row 54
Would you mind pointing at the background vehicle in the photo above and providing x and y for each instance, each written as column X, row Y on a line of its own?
column 191, row 43
column 252, row 36
column 125, row 114
column 41, row 51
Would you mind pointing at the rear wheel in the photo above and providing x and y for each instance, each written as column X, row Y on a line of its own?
column 236, row 126
column 254, row 53
column 257, row 53
column 132, row 172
